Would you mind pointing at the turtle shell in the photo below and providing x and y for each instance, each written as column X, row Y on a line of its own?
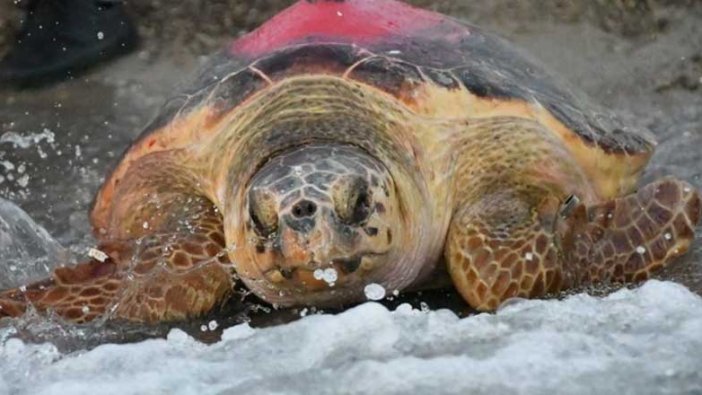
column 436, row 65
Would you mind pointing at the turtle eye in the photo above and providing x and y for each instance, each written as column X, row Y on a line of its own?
column 263, row 213
column 352, row 200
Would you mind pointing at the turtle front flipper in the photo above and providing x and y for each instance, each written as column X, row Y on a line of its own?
column 506, row 248
column 627, row 238
column 527, row 223
column 159, row 277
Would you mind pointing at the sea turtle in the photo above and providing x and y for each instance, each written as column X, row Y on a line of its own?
column 366, row 143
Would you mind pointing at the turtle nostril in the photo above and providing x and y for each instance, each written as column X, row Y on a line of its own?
column 304, row 208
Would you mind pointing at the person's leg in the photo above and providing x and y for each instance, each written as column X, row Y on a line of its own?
column 60, row 38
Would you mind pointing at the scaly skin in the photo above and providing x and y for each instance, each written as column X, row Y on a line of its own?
column 174, row 273
column 513, row 235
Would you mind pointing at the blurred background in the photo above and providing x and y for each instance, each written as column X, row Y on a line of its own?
column 199, row 26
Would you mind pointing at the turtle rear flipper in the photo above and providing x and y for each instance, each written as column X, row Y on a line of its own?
column 161, row 277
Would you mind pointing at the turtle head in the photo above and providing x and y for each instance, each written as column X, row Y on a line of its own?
column 319, row 224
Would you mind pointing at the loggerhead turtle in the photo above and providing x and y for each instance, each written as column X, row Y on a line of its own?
column 346, row 143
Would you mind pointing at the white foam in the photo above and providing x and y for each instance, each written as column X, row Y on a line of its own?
column 25, row 141
column 374, row 291
column 639, row 341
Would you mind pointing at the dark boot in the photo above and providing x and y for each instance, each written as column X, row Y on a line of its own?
column 60, row 38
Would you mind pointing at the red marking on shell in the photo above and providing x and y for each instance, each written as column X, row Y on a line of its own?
column 357, row 21
column 152, row 142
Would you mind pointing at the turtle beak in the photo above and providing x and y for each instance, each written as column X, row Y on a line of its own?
column 311, row 254
column 306, row 250
column 304, row 255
